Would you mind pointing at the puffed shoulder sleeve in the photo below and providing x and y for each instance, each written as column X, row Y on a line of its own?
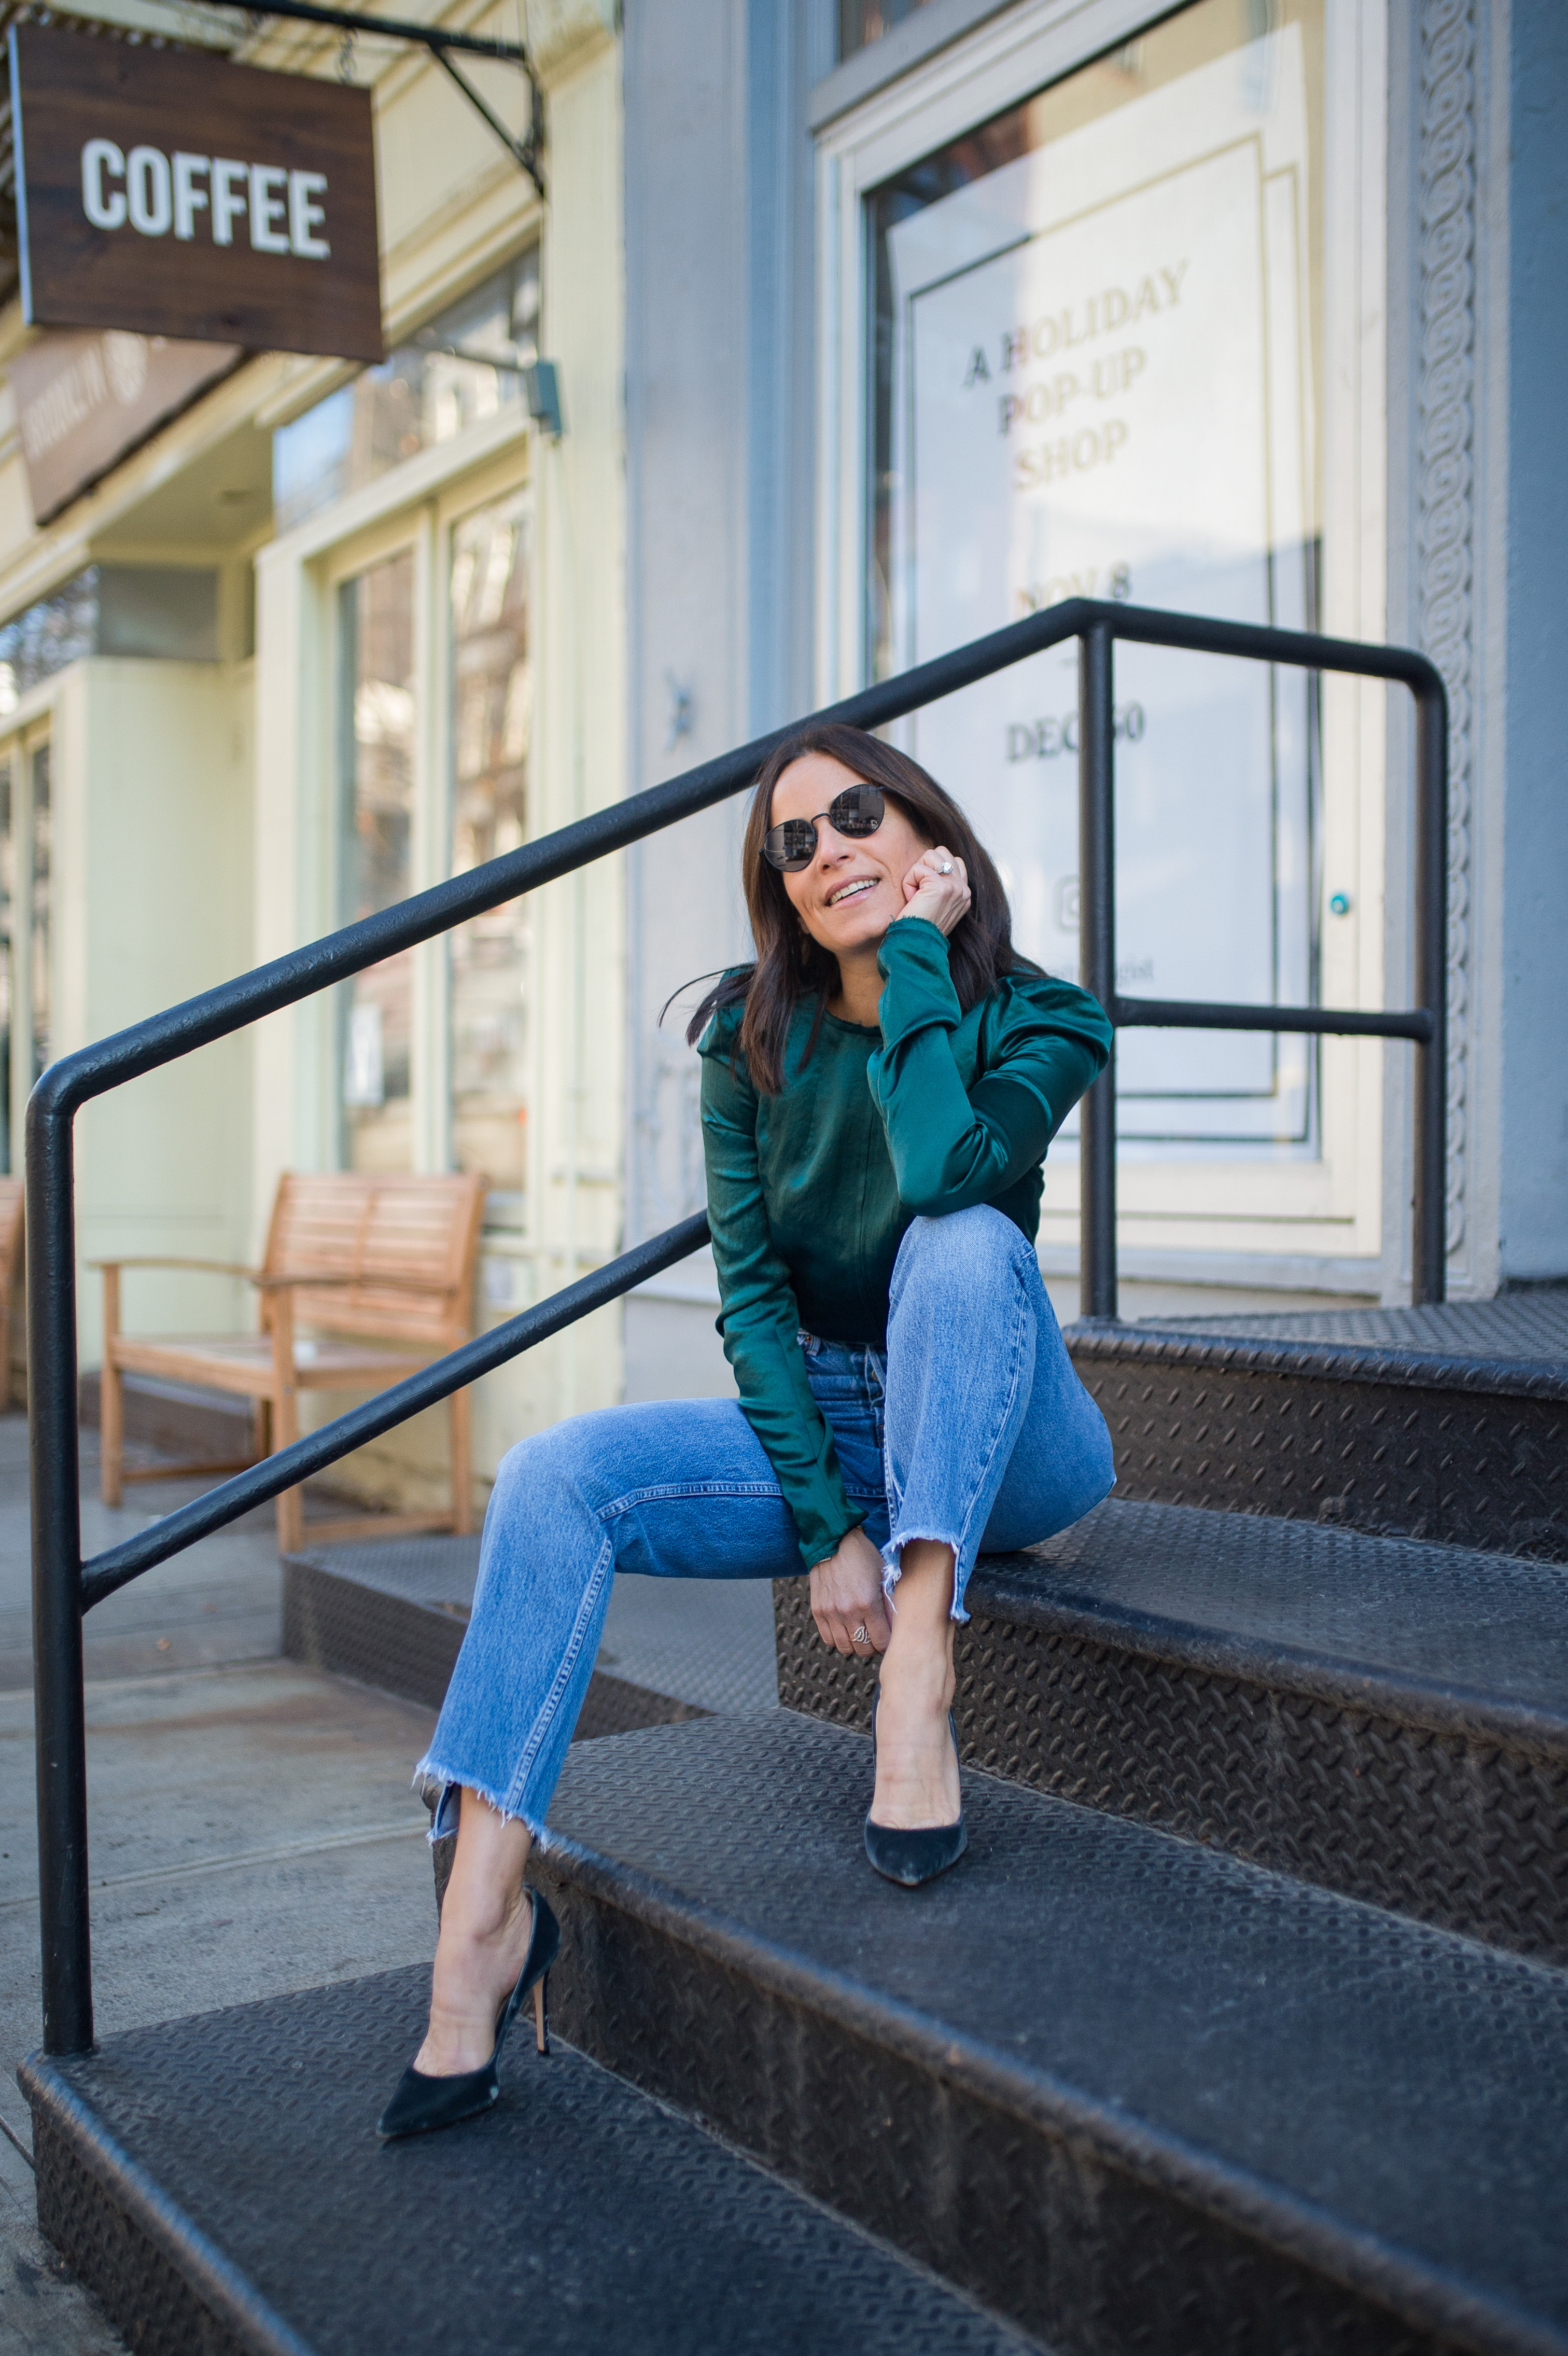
column 1044, row 1042
column 758, row 1315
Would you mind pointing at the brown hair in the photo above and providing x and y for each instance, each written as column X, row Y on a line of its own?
column 790, row 965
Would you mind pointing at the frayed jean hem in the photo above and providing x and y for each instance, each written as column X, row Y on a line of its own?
column 435, row 1786
column 893, row 1569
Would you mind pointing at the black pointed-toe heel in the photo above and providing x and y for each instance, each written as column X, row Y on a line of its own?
column 909, row 1858
column 422, row 2103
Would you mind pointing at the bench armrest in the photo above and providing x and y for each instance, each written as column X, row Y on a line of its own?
column 212, row 1266
column 285, row 1283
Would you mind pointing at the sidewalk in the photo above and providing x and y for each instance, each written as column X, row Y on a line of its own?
column 252, row 1826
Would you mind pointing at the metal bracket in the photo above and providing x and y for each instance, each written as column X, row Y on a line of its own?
column 525, row 151
column 439, row 42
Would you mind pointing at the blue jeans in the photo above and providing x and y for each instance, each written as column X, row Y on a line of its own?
column 972, row 1429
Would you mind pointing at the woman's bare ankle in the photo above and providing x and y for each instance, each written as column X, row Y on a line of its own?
column 917, row 1771
column 487, row 1921
column 475, row 1966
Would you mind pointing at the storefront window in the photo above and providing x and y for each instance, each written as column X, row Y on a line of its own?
column 460, row 367
column 58, row 630
column 375, row 766
column 492, row 723
column 1097, row 347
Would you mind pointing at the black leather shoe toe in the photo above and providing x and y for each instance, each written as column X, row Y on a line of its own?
column 911, row 1858
column 420, row 2104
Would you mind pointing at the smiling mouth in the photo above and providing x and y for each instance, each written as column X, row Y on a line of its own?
column 862, row 884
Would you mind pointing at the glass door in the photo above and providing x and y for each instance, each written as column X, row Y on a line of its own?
column 375, row 737
column 491, row 731
column 432, row 739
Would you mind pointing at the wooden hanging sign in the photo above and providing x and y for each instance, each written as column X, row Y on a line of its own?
column 173, row 194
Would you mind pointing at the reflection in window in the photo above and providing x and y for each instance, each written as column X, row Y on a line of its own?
column 460, row 367
column 492, row 717
column 156, row 611
column 42, row 896
column 376, row 766
column 861, row 22
column 56, row 632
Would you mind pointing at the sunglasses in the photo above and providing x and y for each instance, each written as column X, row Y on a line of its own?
column 858, row 811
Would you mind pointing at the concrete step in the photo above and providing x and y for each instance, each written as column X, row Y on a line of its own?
column 1132, row 2091
column 391, row 1613
column 1380, row 1716
column 218, row 2183
column 1448, row 1423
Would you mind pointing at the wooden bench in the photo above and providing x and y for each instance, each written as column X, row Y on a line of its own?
column 380, row 1272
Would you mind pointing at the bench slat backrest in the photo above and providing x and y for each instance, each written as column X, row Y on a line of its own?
column 404, row 1248
column 10, row 1223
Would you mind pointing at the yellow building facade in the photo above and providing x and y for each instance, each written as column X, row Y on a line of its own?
column 330, row 636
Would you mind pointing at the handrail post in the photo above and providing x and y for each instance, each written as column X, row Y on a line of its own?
column 61, row 1722
column 1428, row 1246
column 1097, row 966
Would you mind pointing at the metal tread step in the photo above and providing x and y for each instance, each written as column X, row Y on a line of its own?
column 217, row 2182
column 1451, row 1637
column 1383, row 1717
column 1144, row 2094
column 1449, row 1423
column 1368, row 1347
column 1528, row 1326
column 392, row 1612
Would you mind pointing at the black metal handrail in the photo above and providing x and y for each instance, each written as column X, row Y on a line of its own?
column 64, row 1587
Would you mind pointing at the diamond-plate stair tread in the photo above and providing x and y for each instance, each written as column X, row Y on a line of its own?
column 1388, row 2101
column 1532, row 1324
column 708, row 1645
column 436, row 1570
column 1517, row 1345
column 1465, row 1638
column 578, row 2216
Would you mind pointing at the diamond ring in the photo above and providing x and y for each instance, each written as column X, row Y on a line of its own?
column 946, row 868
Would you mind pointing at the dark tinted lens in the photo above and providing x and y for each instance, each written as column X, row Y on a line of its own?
column 790, row 845
column 858, row 810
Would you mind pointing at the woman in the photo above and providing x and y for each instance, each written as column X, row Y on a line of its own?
column 879, row 1091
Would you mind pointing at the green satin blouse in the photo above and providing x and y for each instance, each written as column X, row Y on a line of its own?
column 809, row 1192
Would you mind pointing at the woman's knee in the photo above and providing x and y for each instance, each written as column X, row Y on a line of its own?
column 561, row 1465
column 967, row 1251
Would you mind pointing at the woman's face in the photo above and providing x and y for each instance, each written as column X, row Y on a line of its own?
column 852, row 891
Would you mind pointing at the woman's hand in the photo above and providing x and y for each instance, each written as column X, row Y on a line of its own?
column 847, row 1595
column 936, row 888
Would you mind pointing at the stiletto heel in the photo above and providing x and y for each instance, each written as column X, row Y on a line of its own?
column 421, row 2103
column 911, row 1856
column 541, row 2014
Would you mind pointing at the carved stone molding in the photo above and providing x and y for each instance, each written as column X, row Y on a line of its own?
column 1445, row 504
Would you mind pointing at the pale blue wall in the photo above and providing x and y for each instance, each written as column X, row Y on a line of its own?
column 719, row 501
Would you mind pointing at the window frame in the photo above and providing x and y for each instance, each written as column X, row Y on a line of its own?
column 417, row 517
column 1242, row 1216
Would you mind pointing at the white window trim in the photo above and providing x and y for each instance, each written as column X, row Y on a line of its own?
column 1248, row 1220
